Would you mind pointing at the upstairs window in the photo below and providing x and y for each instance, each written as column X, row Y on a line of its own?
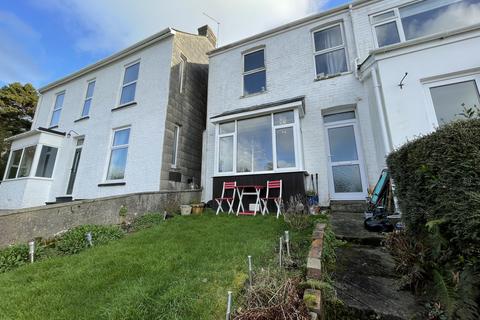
column 330, row 54
column 254, row 72
column 118, row 154
column 88, row 99
column 129, row 83
column 57, row 109
column 424, row 18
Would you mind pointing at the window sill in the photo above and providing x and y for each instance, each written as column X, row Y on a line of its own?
column 330, row 76
column 253, row 94
column 112, row 184
column 82, row 118
column 28, row 178
column 126, row 105
column 232, row 174
column 53, row 127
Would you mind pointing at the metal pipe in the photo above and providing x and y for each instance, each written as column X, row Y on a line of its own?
column 280, row 251
column 229, row 305
column 287, row 241
column 250, row 271
column 31, row 250
column 381, row 113
column 88, row 237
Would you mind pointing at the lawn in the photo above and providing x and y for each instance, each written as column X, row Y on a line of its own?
column 180, row 269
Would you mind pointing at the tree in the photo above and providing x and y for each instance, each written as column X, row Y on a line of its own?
column 17, row 107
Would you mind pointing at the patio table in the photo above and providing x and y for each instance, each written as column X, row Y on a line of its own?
column 248, row 190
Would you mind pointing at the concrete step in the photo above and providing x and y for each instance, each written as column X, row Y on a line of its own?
column 348, row 226
column 366, row 282
column 348, row 205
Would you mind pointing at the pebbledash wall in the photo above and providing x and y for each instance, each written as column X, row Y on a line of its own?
column 22, row 225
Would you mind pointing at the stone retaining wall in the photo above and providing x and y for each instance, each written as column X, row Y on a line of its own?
column 314, row 268
column 25, row 224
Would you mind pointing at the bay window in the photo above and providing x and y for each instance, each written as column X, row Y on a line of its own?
column 265, row 143
column 46, row 163
column 423, row 18
column 330, row 53
column 21, row 163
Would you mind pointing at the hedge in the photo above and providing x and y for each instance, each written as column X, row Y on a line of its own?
column 437, row 182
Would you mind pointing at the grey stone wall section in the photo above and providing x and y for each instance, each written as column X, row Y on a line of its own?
column 186, row 109
column 22, row 225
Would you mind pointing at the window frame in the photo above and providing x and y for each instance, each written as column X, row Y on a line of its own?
column 398, row 22
column 111, row 147
column 10, row 158
column 257, row 70
column 37, row 162
column 58, row 109
column 324, row 51
column 176, row 140
column 296, row 138
column 122, row 85
column 445, row 81
column 94, row 81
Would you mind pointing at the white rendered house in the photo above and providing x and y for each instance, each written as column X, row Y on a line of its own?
column 116, row 127
column 333, row 93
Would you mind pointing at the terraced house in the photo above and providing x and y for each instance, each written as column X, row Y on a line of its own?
column 333, row 93
column 132, row 122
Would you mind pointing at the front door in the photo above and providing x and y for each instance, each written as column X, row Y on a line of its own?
column 347, row 176
column 73, row 170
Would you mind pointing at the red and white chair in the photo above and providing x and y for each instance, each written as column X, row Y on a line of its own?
column 228, row 187
column 274, row 193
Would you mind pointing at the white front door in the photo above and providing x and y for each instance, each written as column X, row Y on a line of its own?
column 347, row 174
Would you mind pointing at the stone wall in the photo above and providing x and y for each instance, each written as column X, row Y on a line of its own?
column 25, row 224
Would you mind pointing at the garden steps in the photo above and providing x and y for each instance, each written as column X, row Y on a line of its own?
column 365, row 277
column 348, row 205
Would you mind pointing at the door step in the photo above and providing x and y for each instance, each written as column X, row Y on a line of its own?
column 62, row 199
column 348, row 205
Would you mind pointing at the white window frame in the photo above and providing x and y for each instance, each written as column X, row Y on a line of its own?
column 431, row 114
column 37, row 160
column 176, row 140
column 264, row 68
column 324, row 51
column 395, row 18
column 57, row 109
column 88, row 98
column 296, row 138
column 33, row 169
column 110, row 150
column 129, row 83
column 181, row 71
column 10, row 159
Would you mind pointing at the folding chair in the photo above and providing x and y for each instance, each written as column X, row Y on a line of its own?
column 272, row 185
column 227, row 186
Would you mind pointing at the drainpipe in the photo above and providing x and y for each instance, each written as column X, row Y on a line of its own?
column 386, row 139
column 381, row 113
column 357, row 52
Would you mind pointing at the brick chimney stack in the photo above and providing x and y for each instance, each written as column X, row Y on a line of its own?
column 206, row 31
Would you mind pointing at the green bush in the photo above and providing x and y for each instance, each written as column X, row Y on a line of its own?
column 13, row 257
column 437, row 179
column 74, row 241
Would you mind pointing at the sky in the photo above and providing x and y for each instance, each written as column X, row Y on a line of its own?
column 42, row 41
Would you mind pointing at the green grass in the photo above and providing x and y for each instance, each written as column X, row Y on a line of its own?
column 180, row 269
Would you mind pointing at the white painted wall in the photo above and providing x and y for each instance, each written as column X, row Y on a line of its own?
column 409, row 110
column 291, row 72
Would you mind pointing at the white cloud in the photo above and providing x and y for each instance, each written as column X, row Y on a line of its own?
column 18, row 50
column 108, row 25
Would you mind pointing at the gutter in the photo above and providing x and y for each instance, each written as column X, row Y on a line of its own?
column 115, row 57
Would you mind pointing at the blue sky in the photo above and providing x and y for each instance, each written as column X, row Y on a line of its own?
column 42, row 41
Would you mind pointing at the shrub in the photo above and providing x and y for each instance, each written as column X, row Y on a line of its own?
column 13, row 257
column 437, row 179
column 296, row 215
column 73, row 241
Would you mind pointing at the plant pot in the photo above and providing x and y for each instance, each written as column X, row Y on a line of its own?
column 312, row 200
column 185, row 210
column 197, row 208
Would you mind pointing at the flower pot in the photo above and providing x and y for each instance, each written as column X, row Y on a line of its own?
column 185, row 210
column 197, row 208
